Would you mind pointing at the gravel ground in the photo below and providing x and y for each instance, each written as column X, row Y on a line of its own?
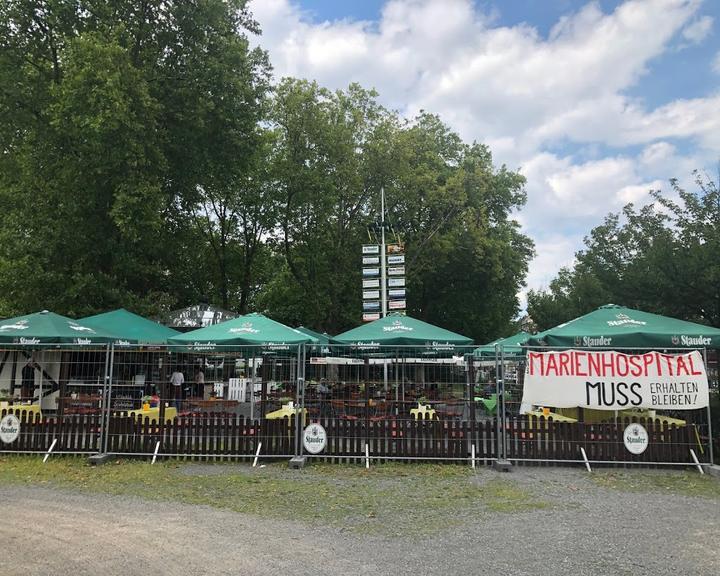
column 586, row 530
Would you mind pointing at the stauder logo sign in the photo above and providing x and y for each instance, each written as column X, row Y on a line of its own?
column 314, row 439
column 9, row 429
column 635, row 438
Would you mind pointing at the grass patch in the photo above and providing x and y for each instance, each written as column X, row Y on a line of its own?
column 502, row 496
column 685, row 482
column 388, row 499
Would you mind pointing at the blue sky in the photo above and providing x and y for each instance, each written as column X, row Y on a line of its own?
column 595, row 102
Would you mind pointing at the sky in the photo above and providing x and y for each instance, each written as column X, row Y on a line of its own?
column 595, row 103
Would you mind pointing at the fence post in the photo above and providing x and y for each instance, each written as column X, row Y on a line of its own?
column 709, row 418
column 105, row 401
column 109, row 382
column 470, row 391
column 300, row 400
column 498, row 392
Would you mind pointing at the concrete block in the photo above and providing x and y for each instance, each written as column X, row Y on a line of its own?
column 297, row 463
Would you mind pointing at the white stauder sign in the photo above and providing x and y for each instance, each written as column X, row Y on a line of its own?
column 9, row 429
column 314, row 439
column 635, row 438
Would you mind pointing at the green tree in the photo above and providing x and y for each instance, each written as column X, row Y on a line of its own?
column 446, row 201
column 117, row 118
column 321, row 170
column 660, row 258
column 467, row 259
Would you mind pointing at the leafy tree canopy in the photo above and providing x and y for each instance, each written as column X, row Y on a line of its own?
column 660, row 258
column 148, row 162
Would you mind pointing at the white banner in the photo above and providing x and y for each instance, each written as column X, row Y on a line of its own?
column 614, row 381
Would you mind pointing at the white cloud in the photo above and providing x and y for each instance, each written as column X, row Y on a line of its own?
column 698, row 30
column 552, row 252
column 716, row 63
column 523, row 94
column 657, row 153
column 563, row 194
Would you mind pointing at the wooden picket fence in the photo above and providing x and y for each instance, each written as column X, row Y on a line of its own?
column 391, row 439
column 76, row 434
column 537, row 441
column 202, row 436
column 210, row 436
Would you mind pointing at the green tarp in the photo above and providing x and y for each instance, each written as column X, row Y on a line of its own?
column 396, row 330
column 613, row 326
column 512, row 346
column 130, row 328
column 253, row 330
column 49, row 328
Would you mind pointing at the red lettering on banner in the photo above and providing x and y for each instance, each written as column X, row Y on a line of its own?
column 636, row 365
column 693, row 371
column 551, row 365
column 575, row 363
column 563, row 361
column 668, row 361
column 578, row 366
column 681, row 367
column 607, row 364
column 619, row 358
column 648, row 359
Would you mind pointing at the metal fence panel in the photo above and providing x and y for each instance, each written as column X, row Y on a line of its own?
column 550, row 435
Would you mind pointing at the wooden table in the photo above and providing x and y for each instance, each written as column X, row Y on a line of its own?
column 212, row 405
column 153, row 414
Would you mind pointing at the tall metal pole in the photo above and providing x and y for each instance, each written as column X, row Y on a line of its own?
column 383, row 274
column 383, row 257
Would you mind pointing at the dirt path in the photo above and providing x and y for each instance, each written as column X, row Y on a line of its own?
column 591, row 530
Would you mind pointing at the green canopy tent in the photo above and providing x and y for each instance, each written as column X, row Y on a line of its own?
column 396, row 330
column 322, row 341
column 130, row 328
column 411, row 338
column 40, row 337
column 613, row 326
column 512, row 346
column 43, row 328
column 251, row 330
column 253, row 335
